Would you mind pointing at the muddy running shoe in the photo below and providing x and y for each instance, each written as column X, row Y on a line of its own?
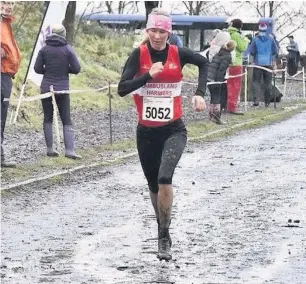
column 164, row 245
column 159, row 232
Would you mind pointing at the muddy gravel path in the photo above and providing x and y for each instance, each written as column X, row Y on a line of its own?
column 233, row 201
column 92, row 127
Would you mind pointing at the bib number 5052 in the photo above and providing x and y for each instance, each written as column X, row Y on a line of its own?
column 157, row 109
column 160, row 113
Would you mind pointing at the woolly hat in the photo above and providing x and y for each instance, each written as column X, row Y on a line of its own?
column 231, row 45
column 262, row 27
column 59, row 30
column 237, row 23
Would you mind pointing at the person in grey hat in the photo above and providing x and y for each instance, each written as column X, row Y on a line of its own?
column 56, row 60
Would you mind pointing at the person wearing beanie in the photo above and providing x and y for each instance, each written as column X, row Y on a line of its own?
column 10, row 63
column 264, row 51
column 234, row 84
column 59, row 30
column 216, row 74
column 56, row 60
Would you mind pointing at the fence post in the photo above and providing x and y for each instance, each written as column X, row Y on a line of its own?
column 303, row 74
column 246, row 89
column 110, row 113
column 284, row 61
column 274, row 91
column 57, row 132
column 19, row 102
column 285, row 85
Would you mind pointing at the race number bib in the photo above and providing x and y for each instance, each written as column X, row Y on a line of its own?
column 157, row 109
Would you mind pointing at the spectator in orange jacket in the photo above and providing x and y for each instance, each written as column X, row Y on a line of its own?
column 10, row 62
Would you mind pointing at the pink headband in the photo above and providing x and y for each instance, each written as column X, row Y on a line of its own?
column 159, row 22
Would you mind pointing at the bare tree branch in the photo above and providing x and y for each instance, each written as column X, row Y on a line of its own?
column 288, row 34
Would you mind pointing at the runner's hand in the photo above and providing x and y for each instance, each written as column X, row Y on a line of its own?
column 198, row 103
column 156, row 68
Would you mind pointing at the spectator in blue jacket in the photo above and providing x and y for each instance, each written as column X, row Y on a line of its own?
column 264, row 51
column 56, row 60
column 175, row 39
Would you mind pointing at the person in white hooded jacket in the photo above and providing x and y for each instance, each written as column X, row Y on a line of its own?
column 220, row 39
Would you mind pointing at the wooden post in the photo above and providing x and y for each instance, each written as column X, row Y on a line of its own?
column 303, row 74
column 55, row 117
column 285, row 84
column 274, row 91
column 110, row 113
column 19, row 102
column 246, row 89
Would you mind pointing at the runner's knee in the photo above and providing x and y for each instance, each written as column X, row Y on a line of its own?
column 164, row 179
column 153, row 186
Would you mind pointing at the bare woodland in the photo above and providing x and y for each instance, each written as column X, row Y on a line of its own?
column 288, row 17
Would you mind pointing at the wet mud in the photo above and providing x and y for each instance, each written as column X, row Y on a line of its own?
column 239, row 216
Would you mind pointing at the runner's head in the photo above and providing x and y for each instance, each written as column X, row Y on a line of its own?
column 159, row 27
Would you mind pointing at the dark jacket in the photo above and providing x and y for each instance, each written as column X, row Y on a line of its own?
column 218, row 65
column 55, row 61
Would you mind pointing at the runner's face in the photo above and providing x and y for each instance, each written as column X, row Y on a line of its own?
column 7, row 8
column 158, row 38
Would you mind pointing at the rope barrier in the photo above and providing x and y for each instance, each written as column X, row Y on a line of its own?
column 267, row 69
column 49, row 94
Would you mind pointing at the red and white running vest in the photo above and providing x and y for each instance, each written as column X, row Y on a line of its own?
column 159, row 101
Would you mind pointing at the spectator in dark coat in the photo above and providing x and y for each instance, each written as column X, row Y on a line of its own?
column 56, row 60
column 216, row 73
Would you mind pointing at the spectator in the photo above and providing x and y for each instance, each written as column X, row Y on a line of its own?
column 221, row 38
column 10, row 62
column 175, row 39
column 234, row 84
column 218, row 41
column 293, row 56
column 56, row 60
column 264, row 50
column 216, row 73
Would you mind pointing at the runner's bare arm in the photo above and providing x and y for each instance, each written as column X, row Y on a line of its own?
column 127, row 82
column 187, row 56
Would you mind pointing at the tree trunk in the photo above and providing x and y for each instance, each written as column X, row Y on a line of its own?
column 271, row 8
column 80, row 21
column 69, row 20
column 150, row 5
